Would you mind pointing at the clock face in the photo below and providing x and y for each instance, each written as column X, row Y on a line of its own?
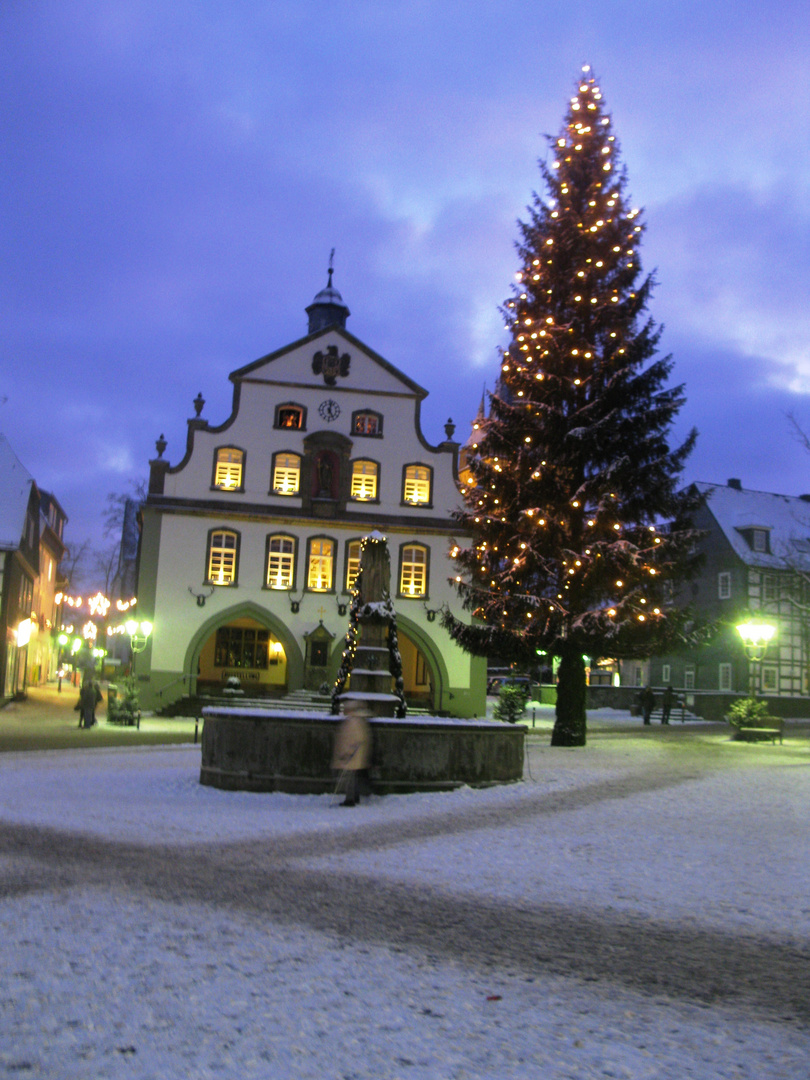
column 329, row 410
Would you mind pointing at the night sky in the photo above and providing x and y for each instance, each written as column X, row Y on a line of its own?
column 175, row 174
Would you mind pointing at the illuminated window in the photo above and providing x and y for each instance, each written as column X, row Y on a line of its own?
column 228, row 468
column 364, row 480
column 352, row 563
column 320, row 564
column 286, row 473
column 366, row 423
column 223, row 549
column 290, row 416
column 241, row 647
column 416, row 485
column 280, row 562
column 413, row 570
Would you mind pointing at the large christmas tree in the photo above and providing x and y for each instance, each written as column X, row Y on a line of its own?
column 579, row 529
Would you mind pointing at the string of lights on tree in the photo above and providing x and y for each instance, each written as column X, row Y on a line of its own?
column 570, row 474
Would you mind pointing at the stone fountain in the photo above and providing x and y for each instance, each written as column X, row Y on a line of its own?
column 258, row 749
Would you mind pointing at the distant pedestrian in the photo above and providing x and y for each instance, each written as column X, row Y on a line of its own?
column 87, row 703
column 352, row 755
column 647, row 703
column 667, row 701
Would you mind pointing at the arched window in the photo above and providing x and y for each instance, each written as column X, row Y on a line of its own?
column 286, row 473
column 416, row 485
column 352, row 563
column 291, row 416
column 229, row 468
column 223, row 557
column 364, row 480
column 280, row 562
column 367, row 422
column 320, row 564
column 413, row 570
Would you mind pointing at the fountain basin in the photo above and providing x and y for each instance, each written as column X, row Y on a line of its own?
column 249, row 749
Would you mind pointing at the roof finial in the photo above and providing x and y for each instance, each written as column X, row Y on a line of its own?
column 331, row 267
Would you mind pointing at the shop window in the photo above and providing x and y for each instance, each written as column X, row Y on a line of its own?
column 320, row 564
column 223, row 557
column 291, row 416
column 367, row 422
column 286, row 473
column 364, row 480
column 416, row 485
column 229, row 467
column 413, row 569
column 281, row 562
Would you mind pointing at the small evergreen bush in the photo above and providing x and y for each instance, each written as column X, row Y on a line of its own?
column 125, row 708
column 511, row 703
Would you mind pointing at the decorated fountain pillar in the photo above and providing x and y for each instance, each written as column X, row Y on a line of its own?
column 371, row 666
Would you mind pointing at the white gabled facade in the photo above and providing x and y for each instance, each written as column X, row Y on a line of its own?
column 249, row 542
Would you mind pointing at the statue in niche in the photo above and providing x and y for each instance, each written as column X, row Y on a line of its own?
column 326, row 477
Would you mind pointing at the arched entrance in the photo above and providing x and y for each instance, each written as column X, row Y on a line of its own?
column 250, row 643
column 424, row 673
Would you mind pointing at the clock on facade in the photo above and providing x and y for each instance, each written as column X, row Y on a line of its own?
column 329, row 410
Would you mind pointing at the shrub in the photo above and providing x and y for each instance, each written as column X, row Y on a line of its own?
column 511, row 703
column 748, row 712
column 125, row 708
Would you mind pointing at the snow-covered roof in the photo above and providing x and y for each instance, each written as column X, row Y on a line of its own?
column 15, row 491
column 785, row 519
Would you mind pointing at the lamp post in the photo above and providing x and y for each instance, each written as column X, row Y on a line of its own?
column 755, row 637
column 138, row 636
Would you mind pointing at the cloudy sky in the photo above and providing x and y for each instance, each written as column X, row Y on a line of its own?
column 174, row 176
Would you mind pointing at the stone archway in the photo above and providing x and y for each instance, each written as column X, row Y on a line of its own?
column 436, row 674
column 266, row 619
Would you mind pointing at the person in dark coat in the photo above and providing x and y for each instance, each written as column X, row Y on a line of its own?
column 667, row 702
column 647, row 703
column 87, row 703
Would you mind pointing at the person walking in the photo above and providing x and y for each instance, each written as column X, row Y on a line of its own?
column 352, row 755
column 667, row 701
column 647, row 703
column 87, row 703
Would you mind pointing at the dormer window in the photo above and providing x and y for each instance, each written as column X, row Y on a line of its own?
column 291, row 416
column 367, row 422
column 758, row 539
column 229, row 466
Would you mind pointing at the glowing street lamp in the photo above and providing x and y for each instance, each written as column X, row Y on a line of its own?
column 138, row 636
column 755, row 637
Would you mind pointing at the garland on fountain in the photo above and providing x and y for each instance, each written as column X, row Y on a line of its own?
column 381, row 609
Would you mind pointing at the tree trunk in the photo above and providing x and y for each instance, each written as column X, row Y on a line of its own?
column 570, row 725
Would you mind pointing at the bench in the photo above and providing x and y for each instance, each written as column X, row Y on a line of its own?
column 755, row 733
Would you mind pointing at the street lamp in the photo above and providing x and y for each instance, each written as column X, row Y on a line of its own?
column 138, row 636
column 755, row 637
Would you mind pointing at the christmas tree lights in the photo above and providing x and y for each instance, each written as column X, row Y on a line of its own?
column 571, row 471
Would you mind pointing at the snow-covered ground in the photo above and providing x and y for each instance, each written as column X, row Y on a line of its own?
column 638, row 908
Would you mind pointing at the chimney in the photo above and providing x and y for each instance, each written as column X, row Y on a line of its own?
column 735, row 483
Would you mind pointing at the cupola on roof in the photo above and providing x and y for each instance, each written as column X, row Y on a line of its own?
column 327, row 309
